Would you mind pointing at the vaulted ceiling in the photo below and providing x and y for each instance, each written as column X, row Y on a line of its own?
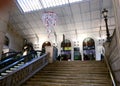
column 73, row 19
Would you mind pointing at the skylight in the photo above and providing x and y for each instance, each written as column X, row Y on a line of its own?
column 32, row 5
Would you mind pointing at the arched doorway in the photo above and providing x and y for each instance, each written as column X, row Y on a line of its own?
column 88, row 49
column 47, row 43
column 66, row 50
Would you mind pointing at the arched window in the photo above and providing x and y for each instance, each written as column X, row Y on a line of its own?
column 89, row 49
column 66, row 43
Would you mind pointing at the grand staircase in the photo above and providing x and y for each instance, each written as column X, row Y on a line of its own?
column 72, row 73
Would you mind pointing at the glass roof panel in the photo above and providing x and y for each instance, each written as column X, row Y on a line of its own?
column 31, row 5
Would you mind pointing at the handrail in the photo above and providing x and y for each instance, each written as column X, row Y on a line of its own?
column 10, row 66
column 18, row 60
column 110, row 72
column 12, row 59
column 8, row 60
column 10, row 54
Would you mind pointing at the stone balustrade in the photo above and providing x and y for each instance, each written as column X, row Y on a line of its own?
column 17, row 77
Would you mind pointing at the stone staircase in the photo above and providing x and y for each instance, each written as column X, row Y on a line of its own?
column 72, row 73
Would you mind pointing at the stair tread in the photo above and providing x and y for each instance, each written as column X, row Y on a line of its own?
column 70, row 77
column 64, row 84
column 76, row 72
column 69, row 82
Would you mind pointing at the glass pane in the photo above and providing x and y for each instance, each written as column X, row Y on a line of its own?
column 30, row 5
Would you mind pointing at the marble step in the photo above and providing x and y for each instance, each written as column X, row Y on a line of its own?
column 71, row 77
column 74, row 69
column 64, row 84
column 70, row 82
column 76, row 72
column 77, row 65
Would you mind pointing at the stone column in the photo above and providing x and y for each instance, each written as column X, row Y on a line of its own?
column 49, row 49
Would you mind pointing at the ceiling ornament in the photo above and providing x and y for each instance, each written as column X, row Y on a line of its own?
column 49, row 20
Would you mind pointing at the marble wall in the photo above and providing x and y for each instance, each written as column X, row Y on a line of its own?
column 113, row 48
column 15, row 40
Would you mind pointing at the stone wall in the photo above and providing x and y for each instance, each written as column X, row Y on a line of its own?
column 112, row 53
column 113, row 48
column 15, row 40
column 4, row 16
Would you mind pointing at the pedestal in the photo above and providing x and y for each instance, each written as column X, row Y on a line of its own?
column 52, row 53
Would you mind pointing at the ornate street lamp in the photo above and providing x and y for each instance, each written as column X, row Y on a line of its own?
column 105, row 15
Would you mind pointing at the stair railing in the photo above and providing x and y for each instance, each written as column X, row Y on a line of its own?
column 114, row 82
column 110, row 71
column 109, row 66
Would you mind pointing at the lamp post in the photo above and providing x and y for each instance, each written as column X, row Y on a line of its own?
column 105, row 13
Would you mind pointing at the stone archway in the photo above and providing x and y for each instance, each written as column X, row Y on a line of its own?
column 47, row 43
column 88, row 49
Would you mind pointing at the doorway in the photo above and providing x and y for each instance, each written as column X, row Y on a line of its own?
column 47, row 43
